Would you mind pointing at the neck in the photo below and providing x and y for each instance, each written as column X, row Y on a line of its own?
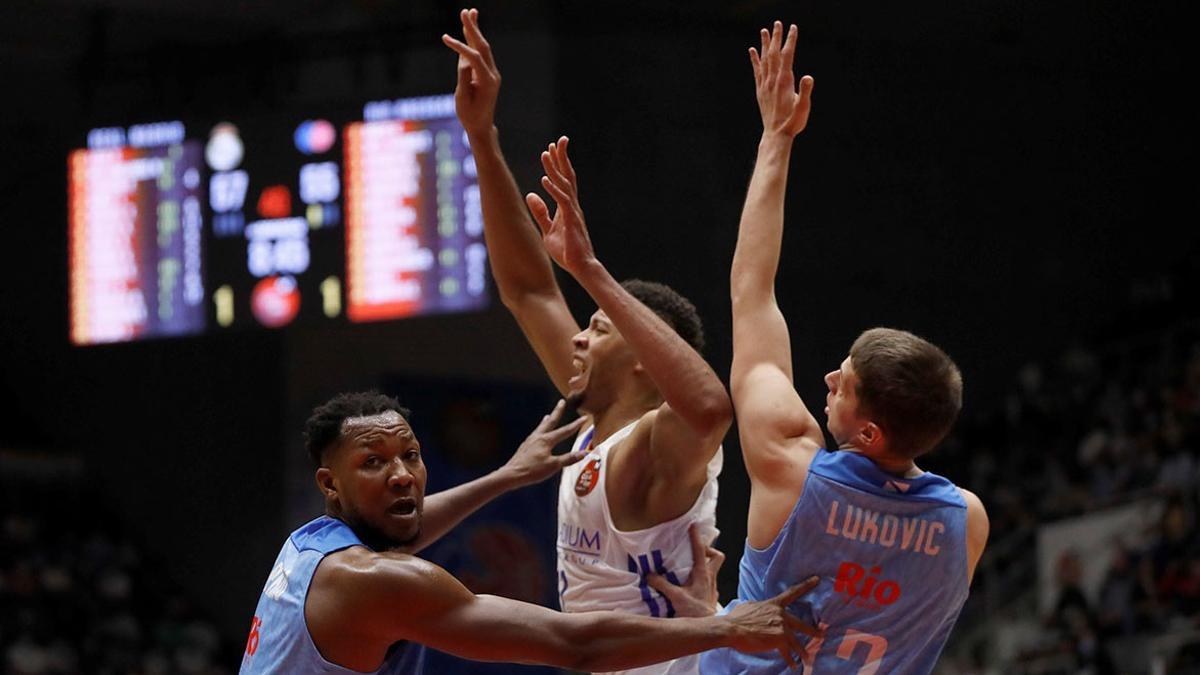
column 374, row 540
column 897, row 466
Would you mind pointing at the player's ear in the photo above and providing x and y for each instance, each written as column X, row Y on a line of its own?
column 325, row 483
column 871, row 437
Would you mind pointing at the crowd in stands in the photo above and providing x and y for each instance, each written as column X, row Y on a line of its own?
column 1114, row 422
column 78, row 595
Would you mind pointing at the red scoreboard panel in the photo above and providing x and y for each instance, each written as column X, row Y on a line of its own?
column 175, row 230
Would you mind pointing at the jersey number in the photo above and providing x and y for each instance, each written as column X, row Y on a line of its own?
column 252, row 641
column 876, row 647
column 642, row 567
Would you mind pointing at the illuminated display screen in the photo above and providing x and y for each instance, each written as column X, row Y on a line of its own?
column 178, row 230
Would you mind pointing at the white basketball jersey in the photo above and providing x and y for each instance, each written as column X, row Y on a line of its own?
column 601, row 567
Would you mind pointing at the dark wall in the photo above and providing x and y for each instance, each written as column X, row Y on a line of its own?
column 991, row 176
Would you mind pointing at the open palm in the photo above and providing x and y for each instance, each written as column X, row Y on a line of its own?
column 784, row 108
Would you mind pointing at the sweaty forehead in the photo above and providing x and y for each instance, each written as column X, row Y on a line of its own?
column 372, row 428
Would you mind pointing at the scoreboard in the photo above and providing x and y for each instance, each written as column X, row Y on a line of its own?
column 176, row 230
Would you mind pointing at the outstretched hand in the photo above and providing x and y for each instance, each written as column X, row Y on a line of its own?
column 698, row 597
column 784, row 109
column 767, row 625
column 534, row 460
column 565, row 234
column 478, row 77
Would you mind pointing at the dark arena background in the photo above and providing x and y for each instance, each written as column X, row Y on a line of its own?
column 1008, row 178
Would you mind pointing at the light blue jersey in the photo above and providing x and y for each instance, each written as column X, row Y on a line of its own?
column 891, row 554
column 279, row 639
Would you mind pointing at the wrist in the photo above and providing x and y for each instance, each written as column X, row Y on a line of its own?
column 725, row 631
column 590, row 273
column 483, row 135
column 775, row 141
column 507, row 478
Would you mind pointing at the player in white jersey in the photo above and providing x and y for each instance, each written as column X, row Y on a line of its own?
column 656, row 411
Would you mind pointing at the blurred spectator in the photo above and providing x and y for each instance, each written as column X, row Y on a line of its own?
column 76, row 597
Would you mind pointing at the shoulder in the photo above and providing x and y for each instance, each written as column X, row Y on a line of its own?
column 358, row 567
column 977, row 518
column 359, row 589
column 975, row 509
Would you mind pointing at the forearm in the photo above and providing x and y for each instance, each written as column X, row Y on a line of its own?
column 616, row 641
column 685, row 380
column 446, row 509
column 519, row 262
column 760, row 232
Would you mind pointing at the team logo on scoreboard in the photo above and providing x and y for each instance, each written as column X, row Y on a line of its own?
column 588, row 478
column 275, row 301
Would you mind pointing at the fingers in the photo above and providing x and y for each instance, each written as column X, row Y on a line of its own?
column 789, row 49
column 660, row 584
column 566, row 430
column 800, row 626
column 572, row 457
column 776, row 36
column 787, row 656
column 470, row 22
column 564, row 160
column 806, row 87
column 716, row 559
column 756, row 64
column 541, row 212
column 552, row 417
column 796, row 591
column 551, row 166
column 558, row 193
column 465, row 51
column 794, row 645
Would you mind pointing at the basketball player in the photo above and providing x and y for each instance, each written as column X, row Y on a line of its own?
column 346, row 595
column 656, row 412
column 895, row 547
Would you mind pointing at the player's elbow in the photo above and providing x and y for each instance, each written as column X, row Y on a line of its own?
column 715, row 414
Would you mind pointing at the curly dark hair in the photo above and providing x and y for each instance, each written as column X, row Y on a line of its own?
column 324, row 426
column 677, row 311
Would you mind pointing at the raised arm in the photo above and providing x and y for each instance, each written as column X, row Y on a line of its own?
column 778, row 433
column 388, row 598
column 533, row 462
column 523, row 273
column 689, row 426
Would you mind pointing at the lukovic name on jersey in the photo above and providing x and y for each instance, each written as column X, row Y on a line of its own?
column 913, row 534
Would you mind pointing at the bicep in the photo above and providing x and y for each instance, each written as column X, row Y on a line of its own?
column 771, row 417
column 547, row 323
column 760, row 335
column 779, row 438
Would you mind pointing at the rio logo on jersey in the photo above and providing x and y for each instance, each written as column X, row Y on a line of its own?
column 865, row 590
column 588, row 478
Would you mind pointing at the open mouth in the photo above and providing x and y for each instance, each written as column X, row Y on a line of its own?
column 403, row 507
column 580, row 369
